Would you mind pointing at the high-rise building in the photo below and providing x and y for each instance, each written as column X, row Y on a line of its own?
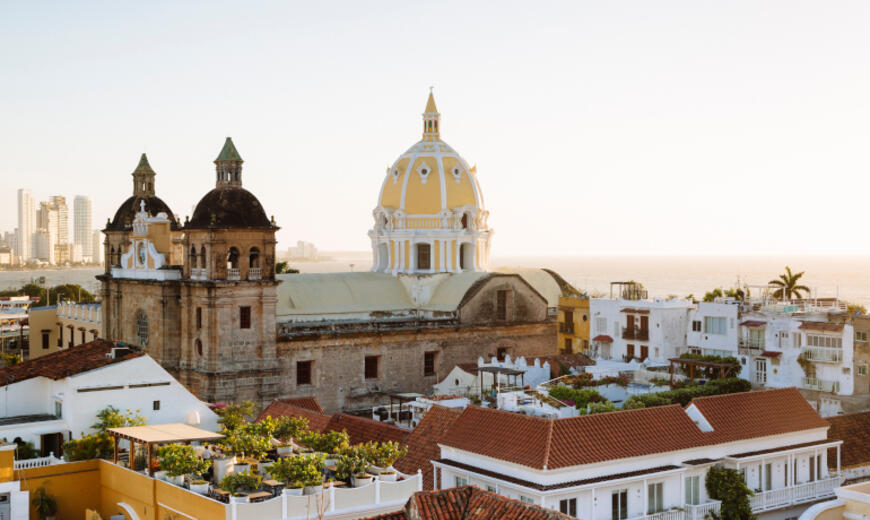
column 46, row 231
column 97, row 247
column 23, row 248
column 83, row 232
column 59, row 203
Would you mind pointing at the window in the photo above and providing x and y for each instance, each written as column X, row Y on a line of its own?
column 527, row 500
column 491, row 489
column 693, row 490
column 768, row 476
column 141, row 329
column 198, row 318
column 862, row 370
column 58, row 409
column 155, row 405
column 198, row 345
column 303, row 372
column 501, row 304
column 460, row 481
column 601, row 325
column 59, row 336
column 371, row 367
column 655, row 498
column 629, row 352
column 568, row 346
column 429, row 363
column 45, row 338
column 424, row 256
column 714, row 325
column 815, row 340
column 245, row 317
column 812, row 469
column 233, row 258
column 696, row 326
column 796, row 340
column 568, row 506
column 619, row 504
column 501, row 353
column 860, row 336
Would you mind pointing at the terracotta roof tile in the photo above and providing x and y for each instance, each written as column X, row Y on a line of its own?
column 65, row 363
column 316, row 421
column 423, row 442
column 363, row 429
column 557, row 443
column 854, row 430
column 309, row 403
column 468, row 503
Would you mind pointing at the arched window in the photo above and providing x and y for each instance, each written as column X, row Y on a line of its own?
column 193, row 257
column 198, row 344
column 112, row 255
column 465, row 221
column 202, row 258
column 142, row 329
column 254, row 258
column 233, row 258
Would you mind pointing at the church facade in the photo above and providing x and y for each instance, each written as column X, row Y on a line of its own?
column 203, row 298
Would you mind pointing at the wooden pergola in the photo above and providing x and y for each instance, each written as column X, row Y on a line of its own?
column 496, row 371
column 692, row 363
column 150, row 436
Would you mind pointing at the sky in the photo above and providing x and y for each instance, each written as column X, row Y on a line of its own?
column 597, row 128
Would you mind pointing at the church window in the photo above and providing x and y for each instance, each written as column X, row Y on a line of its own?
column 198, row 318
column 202, row 262
column 193, row 257
column 371, row 367
column 233, row 258
column 429, row 363
column 142, row 328
column 303, row 372
column 424, row 256
column 254, row 258
column 501, row 353
column 464, row 221
column 198, row 344
column 245, row 317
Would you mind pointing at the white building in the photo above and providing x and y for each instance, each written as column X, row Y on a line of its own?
column 26, row 216
column 57, row 397
column 649, row 463
column 59, row 204
column 43, row 242
column 302, row 251
column 97, row 247
column 83, row 229
column 466, row 380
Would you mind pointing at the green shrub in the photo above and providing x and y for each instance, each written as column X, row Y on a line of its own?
column 233, row 416
column 97, row 446
column 240, row 482
column 684, row 395
column 728, row 486
column 602, row 407
column 579, row 398
column 304, row 469
column 384, row 454
column 179, row 459
column 289, row 427
column 329, row 442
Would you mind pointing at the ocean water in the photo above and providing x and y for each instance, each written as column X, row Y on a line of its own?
column 845, row 276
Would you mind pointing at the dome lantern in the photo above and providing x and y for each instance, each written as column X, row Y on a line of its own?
column 228, row 165
column 431, row 119
column 143, row 178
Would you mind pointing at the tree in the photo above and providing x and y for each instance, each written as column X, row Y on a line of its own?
column 111, row 417
column 727, row 485
column 284, row 268
column 736, row 293
column 233, row 416
column 855, row 308
column 788, row 287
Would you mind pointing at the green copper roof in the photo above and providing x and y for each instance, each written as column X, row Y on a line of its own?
column 143, row 166
column 229, row 152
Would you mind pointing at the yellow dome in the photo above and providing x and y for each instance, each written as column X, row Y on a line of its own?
column 430, row 176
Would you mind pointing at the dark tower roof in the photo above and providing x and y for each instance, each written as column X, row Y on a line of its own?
column 143, row 189
column 229, row 205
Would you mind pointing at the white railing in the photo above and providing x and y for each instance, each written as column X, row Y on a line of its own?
column 674, row 514
column 811, row 383
column 700, row 511
column 824, row 354
column 255, row 273
column 198, row 273
column 423, row 222
column 234, row 274
column 807, row 492
column 37, row 462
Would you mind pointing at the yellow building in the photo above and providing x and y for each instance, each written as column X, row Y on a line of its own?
column 62, row 326
column 573, row 324
column 852, row 503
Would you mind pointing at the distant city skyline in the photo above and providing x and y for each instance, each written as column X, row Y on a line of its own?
column 672, row 127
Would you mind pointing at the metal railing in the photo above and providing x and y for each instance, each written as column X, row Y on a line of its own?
column 255, row 273
column 566, row 328
column 751, row 343
column 807, row 492
column 824, row 354
column 234, row 274
column 811, row 383
column 633, row 333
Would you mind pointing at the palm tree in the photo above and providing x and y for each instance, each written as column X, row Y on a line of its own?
column 787, row 285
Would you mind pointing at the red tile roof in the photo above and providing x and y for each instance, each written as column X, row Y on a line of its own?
column 753, row 323
column 423, row 442
column 821, row 326
column 364, row 429
column 309, row 403
column 603, row 337
column 65, row 363
column 316, row 421
column 854, row 430
column 468, row 503
column 556, row 443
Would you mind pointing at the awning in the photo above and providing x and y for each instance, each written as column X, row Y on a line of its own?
column 632, row 310
column 603, row 338
column 753, row 323
column 771, row 353
column 164, row 433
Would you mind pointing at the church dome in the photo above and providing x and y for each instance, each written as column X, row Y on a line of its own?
column 229, row 205
column 430, row 177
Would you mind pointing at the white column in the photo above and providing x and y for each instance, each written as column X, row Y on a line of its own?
column 412, row 267
column 456, row 266
column 331, row 500
column 443, row 255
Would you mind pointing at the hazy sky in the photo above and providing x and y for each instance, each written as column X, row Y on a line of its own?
column 693, row 127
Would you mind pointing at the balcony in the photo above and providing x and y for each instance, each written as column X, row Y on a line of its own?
column 824, row 354
column 566, row 328
column 255, row 273
column 234, row 274
column 636, row 334
column 801, row 493
column 811, row 383
column 750, row 346
column 690, row 512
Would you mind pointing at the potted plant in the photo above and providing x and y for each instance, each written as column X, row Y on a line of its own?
column 246, row 444
column 294, row 489
column 239, row 485
column 351, row 467
column 45, row 504
column 285, row 430
column 199, row 486
column 303, row 470
column 330, row 443
column 383, row 455
column 179, row 460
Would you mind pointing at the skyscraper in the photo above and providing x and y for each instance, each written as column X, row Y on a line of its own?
column 82, row 227
column 59, row 202
column 26, row 213
column 45, row 237
column 97, row 247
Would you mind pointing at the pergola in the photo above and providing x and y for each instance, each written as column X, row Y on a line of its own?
column 692, row 363
column 495, row 371
column 402, row 398
column 150, row 436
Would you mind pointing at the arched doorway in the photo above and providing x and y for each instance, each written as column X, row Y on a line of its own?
column 383, row 257
column 466, row 257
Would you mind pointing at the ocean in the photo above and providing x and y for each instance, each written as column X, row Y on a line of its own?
column 843, row 276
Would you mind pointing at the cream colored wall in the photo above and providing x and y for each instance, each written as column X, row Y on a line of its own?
column 43, row 318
